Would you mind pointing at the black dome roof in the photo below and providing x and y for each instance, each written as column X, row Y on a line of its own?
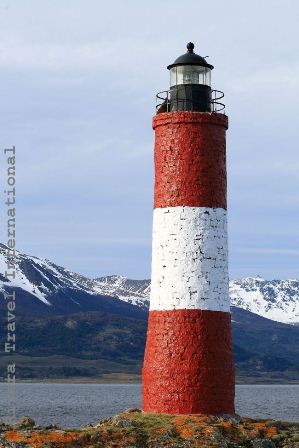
column 190, row 58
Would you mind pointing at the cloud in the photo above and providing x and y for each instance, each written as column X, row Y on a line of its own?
column 267, row 79
column 266, row 251
column 106, row 57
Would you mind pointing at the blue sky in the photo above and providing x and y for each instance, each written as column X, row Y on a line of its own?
column 78, row 85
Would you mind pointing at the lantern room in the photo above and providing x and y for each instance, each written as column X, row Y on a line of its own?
column 190, row 68
column 190, row 86
column 190, row 82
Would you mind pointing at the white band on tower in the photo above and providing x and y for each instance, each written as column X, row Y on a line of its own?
column 189, row 259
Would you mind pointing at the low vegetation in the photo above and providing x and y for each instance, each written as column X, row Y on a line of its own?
column 134, row 429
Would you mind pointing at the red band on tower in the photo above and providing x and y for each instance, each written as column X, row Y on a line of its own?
column 190, row 160
column 192, row 371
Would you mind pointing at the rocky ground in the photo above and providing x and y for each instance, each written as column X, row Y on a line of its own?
column 134, row 429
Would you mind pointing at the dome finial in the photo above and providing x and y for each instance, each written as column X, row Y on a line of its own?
column 190, row 58
column 190, row 47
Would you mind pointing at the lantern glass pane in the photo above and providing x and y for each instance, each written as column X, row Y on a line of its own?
column 173, row 80
column 190, row 74
column 207, row 76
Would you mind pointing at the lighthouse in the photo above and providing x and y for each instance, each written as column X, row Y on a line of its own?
column 188, row 364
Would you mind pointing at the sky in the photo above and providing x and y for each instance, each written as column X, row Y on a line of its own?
column 78, row 86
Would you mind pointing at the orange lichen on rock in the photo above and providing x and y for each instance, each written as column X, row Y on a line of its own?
column 262, row 429
column 271, row 431
column 38, row 439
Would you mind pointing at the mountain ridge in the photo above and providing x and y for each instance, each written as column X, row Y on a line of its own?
column 41, row 279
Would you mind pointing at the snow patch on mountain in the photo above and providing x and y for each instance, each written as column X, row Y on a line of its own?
column 39, row 277
column 135, row 292
column 274, row 299
column 20, row 280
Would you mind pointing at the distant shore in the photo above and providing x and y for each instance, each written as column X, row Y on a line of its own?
column 124, row 378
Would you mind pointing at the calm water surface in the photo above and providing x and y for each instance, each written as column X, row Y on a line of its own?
column 71, row 405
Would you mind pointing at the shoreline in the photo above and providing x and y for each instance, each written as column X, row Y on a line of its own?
column 136, row 380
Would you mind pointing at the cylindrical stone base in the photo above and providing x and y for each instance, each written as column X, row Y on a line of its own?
column 188, row 363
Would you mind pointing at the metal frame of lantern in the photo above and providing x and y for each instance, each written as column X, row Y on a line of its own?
column 163, row 102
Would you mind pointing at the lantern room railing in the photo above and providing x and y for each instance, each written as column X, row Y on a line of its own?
column 163, row 102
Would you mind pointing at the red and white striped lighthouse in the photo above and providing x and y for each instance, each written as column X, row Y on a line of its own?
column 188, row 366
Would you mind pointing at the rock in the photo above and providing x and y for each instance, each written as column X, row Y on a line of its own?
column 122, row 423
column 231, row 418
column 25, row 423
column 133, row 410
column 51, row 427
column 278, row 424
column 183, row 445
column 4, row 427
column 262, row 443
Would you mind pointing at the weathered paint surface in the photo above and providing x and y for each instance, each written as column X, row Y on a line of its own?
column 188, row 363
column 189, row 259
column 190, row 159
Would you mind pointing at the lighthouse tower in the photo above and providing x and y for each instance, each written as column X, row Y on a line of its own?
column 188, row 366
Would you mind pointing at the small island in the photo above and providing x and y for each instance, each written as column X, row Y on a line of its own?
column 135, row 429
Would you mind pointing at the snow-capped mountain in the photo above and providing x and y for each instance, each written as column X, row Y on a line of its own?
column 41, row 279
column 274, row 299
column 135, row 292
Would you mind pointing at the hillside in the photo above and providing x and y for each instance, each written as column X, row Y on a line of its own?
column 92, row 343
column 72, row 326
